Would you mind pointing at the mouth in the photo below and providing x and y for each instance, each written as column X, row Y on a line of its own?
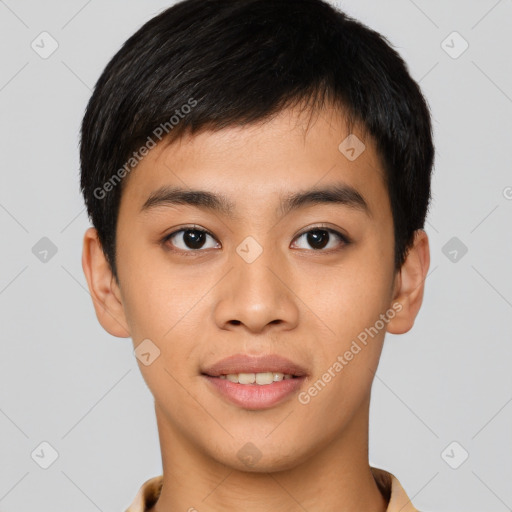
column 259, row 378
column 255, row 382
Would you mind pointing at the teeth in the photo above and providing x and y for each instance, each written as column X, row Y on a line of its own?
column 246, row 378
column 262, row 378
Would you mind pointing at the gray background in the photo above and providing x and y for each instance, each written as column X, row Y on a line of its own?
column 65, row 381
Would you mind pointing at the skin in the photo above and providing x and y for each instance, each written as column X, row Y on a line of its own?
column 294, row 300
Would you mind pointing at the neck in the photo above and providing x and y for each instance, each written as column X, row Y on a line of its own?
column 334, row 478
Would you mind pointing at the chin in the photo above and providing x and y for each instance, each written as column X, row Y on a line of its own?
column 261, row 456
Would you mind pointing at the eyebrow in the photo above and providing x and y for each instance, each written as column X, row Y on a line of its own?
column 339, row 193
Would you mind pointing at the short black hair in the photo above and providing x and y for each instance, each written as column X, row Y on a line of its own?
column 210, row 64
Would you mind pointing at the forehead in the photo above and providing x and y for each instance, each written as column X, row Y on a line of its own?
column 255, row 165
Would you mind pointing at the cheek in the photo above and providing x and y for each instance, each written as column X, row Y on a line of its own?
column 348, row 357
column 164, row 308
column 348, row 300
column 349, row 303
column 162, row 311
column 155, row 301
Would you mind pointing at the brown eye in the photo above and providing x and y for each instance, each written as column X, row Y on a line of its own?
column 320, row 238
column 190, row 239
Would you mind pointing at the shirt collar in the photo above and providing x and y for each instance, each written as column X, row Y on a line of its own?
column 388, row 485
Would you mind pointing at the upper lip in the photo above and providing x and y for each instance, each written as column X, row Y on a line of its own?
column 242, row 363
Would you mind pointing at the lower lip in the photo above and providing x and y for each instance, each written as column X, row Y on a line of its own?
column 256, row 396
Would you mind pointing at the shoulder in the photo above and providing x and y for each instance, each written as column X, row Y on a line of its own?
column 147, row 495
column 393, row 491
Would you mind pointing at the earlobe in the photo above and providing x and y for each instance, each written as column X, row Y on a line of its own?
column 103, row 287
column 410, row 284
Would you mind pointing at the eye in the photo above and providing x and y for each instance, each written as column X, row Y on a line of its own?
column 320, row 238
column 190, row 239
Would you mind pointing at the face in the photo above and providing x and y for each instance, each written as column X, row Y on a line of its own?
column 258, row 274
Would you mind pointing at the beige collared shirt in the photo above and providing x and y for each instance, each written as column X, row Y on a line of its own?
column 388, row 484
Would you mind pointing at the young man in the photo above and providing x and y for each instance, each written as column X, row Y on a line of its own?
column 258, row 176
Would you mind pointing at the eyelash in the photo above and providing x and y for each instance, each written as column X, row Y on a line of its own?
column 190, row 252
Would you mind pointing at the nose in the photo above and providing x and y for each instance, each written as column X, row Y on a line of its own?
column 257, row 295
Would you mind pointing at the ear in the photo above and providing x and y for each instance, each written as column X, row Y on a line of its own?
column 103, row 287
column 410, row 283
